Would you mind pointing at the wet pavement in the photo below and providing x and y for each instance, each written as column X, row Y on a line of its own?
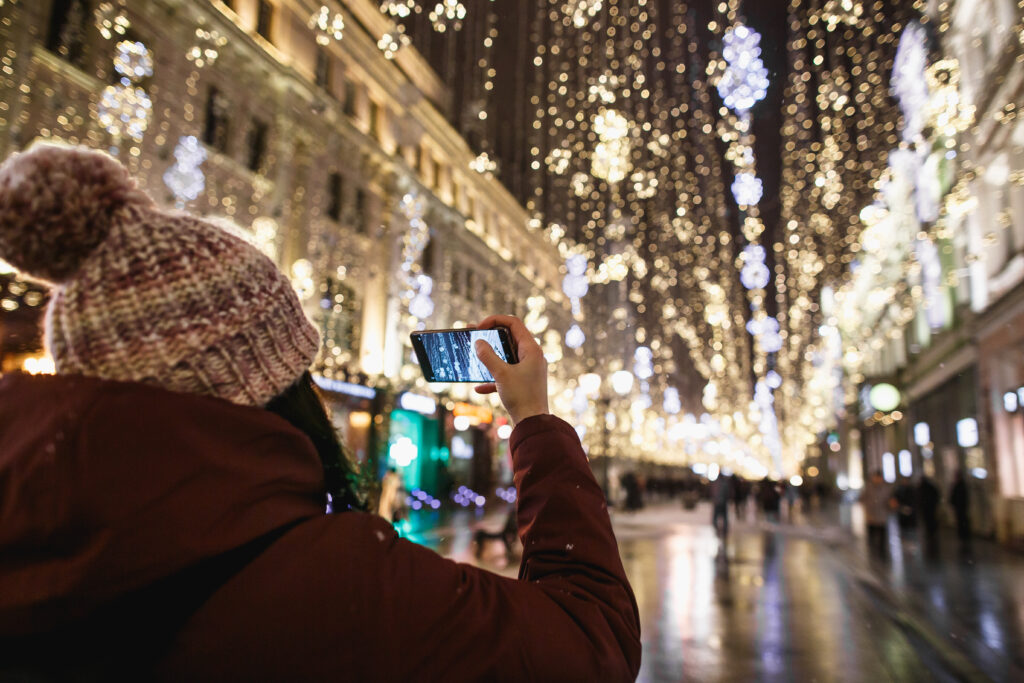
column 800, row 600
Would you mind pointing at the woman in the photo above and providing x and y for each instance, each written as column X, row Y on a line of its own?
column 162, row 496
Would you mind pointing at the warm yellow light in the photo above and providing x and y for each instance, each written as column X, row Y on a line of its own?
column 359, row 419
column 38, row 365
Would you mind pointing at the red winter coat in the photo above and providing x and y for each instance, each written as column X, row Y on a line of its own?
column 107, row 488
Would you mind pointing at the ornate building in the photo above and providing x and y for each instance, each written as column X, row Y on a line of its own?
column 934, row 303
column 286, row 117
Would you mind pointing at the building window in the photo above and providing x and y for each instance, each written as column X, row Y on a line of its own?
column 69, row 20
column 374, row 120
column 215, row 134
column 334, row 196
column 265, row 19
column 350, row 97
column 256, row 145
column 322, row 74
column 360, row 209
column 428, row 257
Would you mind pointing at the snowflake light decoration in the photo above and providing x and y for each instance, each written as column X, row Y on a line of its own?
column 909, row 79
column 327, row 27
column 643, row 366
column 185, row 179
column 745, row 80
column 124, row 110
column 422, row 306
column 574, row 338
column 747, row 189
column 755, row 274
column 575, row 284
column 132, row 59
column 671, row 402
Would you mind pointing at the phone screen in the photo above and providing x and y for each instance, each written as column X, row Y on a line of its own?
column 449, row 356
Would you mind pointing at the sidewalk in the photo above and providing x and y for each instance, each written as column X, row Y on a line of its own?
column 965, row 610
column 968, row 606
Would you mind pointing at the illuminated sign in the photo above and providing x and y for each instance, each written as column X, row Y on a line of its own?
column 884, row 397
column 476, row 414
column 967, row 432
column 337, row 386
column 461, row 449
column 417, row 403
column 922, row 434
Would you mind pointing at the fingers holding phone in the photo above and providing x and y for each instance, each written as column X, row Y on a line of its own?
column 523, row 386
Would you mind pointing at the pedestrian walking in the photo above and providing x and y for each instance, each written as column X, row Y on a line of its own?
column 740, row 491
column 721, row 494
column 391, row 493
column 770, row 498
column 959, row 498
column 928, row 507
column 877, row 501
column 164, row 493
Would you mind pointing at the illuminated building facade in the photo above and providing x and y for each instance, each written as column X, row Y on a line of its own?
column 288, row 118
column 337, row 160
column 933, row 299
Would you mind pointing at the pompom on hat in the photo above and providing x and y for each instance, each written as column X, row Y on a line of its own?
column 147, row 295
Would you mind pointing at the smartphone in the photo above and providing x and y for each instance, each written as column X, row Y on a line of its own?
column 449, row 356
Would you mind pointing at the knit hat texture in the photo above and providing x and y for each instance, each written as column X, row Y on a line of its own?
column 143, row 294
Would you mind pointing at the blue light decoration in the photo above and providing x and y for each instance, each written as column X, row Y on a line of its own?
column 575, row 284
column 574, row 338
column 421, row 500
column 671, row 402
column 745, row 81
column 124, row 109
column 643, row 366
column 507, row 494
column 755, row 274
column 422, row 306
column 185, row 179
column 466, row 496
column 747, row 189
column 909, row 83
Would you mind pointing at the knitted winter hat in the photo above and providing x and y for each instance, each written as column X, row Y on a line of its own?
column 143, row 294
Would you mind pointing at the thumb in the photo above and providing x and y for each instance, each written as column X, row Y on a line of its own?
column 488, row 357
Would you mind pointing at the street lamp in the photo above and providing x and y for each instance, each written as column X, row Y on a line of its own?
column 618, row 383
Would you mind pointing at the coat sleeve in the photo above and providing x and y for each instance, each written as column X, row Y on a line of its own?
column 571, row 615
column 341, row 597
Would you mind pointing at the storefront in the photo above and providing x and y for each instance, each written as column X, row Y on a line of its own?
column 472, row 445
column 1001, row 369
column 22, row 304
column 414, row 449
column 944, row 433
column 354, row 409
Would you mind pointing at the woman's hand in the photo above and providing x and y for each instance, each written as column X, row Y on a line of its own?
column 522, row 386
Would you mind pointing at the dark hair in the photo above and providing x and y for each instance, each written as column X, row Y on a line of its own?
column 301, row 405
